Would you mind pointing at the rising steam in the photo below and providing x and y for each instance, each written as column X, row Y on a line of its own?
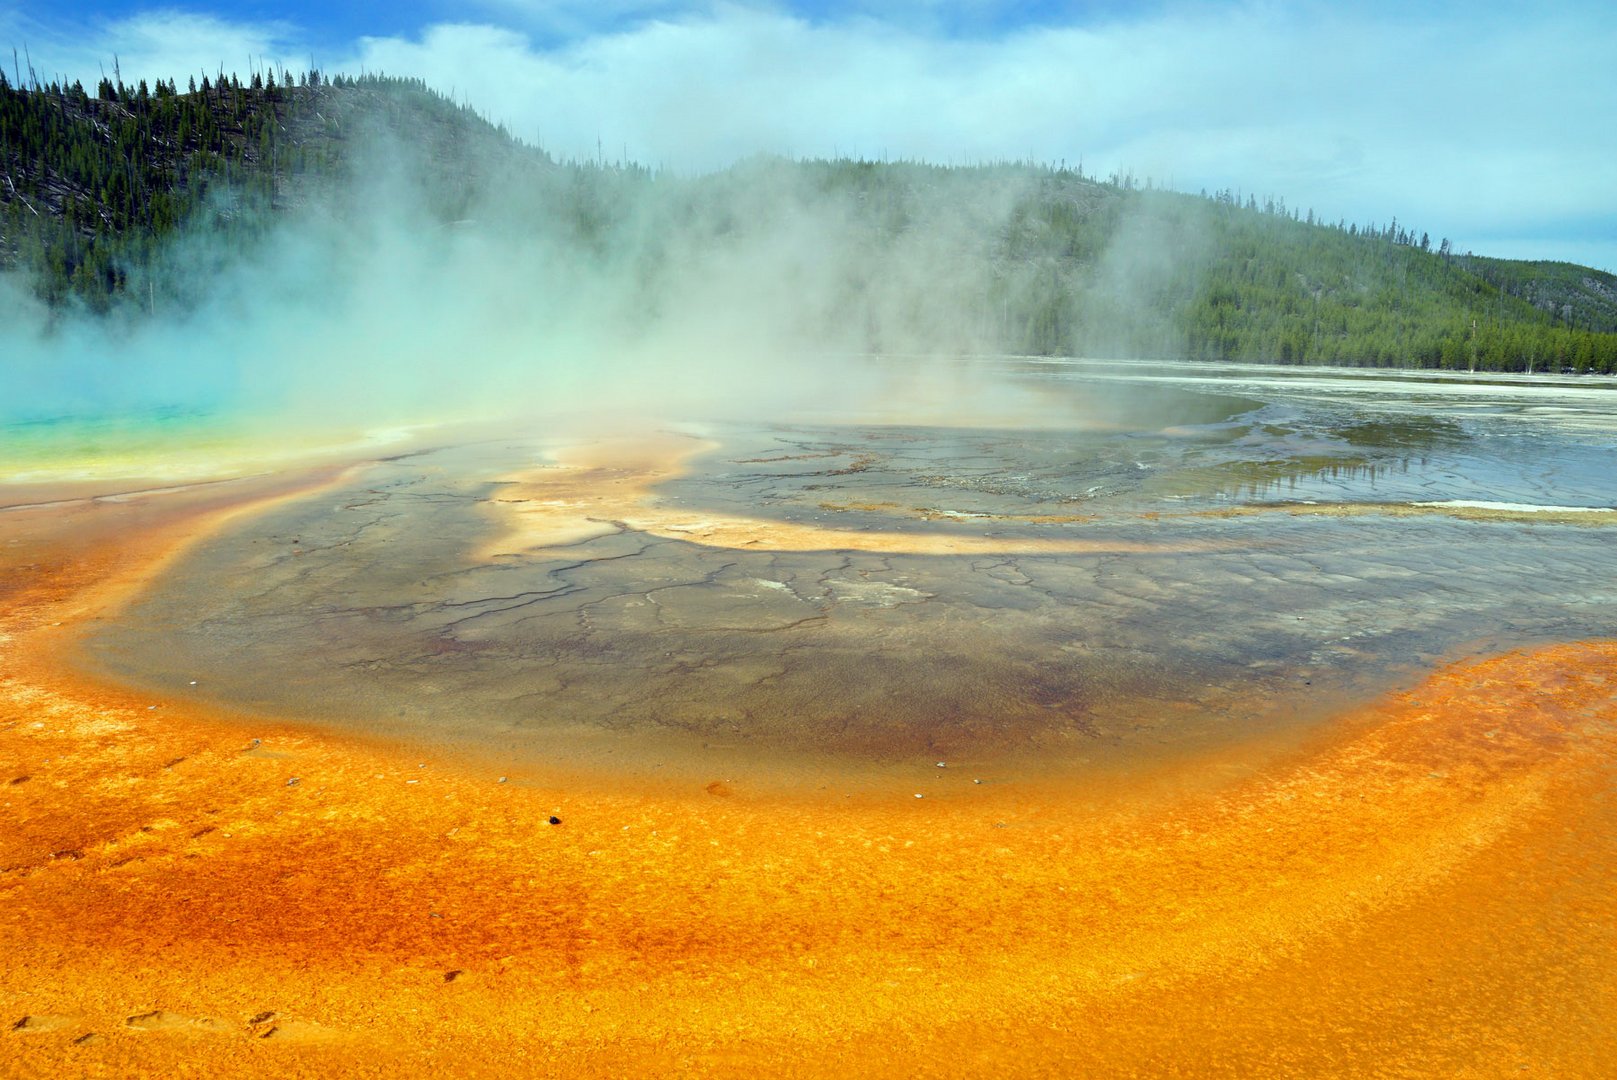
column 564, row 292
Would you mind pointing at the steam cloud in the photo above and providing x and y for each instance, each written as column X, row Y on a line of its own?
column 560, row 292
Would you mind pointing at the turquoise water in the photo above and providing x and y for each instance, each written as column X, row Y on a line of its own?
column 68, row 446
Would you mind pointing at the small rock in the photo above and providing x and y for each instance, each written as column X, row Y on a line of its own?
column 501, row 780
column 295, row 781
column 40, row 1023
column 943, row 764
column 918, row 795
column 554, row 820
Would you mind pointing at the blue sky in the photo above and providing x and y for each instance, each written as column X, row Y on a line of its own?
column 1486, row 122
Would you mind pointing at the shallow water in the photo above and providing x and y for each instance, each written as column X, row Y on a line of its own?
column 107, row 452
column 1173, row 558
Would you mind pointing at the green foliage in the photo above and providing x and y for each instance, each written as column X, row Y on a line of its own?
column 1576, row 296
column 1280, row 290
column 92, row 188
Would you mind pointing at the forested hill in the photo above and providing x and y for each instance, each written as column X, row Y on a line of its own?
column 94, row 186
column 98, row 190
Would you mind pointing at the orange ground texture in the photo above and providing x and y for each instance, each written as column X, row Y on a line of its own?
column 1425, row 889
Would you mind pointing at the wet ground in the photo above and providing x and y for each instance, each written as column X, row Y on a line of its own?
column 1167, row 559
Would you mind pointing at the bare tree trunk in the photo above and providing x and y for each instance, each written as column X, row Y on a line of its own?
column 19, row 195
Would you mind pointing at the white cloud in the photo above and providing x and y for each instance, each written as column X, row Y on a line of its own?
column 173, row 45
column 161, row 44
column 575, row 18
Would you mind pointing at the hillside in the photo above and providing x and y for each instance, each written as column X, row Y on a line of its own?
column 1576, row 295
column 97, row 191
column 93, row 187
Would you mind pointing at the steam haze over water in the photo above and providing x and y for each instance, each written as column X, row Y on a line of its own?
column 362, row 312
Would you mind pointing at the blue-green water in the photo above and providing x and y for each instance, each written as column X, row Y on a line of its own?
column 67, row 446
